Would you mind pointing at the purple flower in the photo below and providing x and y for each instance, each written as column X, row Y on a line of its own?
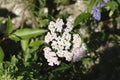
column 96, row 13
column 105, row 1
column 103, row 4
column 78, row 53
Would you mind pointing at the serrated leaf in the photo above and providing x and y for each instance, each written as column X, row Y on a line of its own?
column 1, row 55
column 81, row 18
column 27, row 33
column 9, row 26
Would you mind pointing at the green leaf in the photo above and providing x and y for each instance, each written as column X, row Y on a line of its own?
column 111, row 13
column 27, row 33
column 92, row 3
column 20, row 77
column 113, row 5
column 35, row 57
column 86, row 60
column 81, row 18
column 44, row 22
column 62, row 67
column 14, row 60
column 1, row 68
column 14, row 38
column 36, row 43
column 65, row 2
column 118, row 1
column 24, row 44
column 1, row 55
column 27, row 57
column 9, row 26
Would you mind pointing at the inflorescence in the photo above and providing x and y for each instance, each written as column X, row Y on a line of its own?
column 96, row 12
column 63, row 44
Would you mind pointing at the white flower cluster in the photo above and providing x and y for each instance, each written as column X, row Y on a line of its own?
column 62, row 43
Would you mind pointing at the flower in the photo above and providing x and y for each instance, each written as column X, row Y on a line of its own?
column 76, row 41
column 96, row 13
column 69, row 25
column 103, row 4
column 78, row 53
column 51, row 57
column 68, row 55
column 47, row 49
column 105, row 1
column 59, row 25
column 66, row 36
column 51, row 27
column 48, row 38
column 62, row 44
